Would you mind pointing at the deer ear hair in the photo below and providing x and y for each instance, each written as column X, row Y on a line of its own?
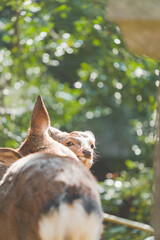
column 90, row 133
column 40, row 119
column 9, row 155
column 57, row 135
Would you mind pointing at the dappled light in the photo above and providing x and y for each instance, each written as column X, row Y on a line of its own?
column 77, row 60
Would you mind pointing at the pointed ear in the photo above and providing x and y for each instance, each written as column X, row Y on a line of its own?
column 40, row 119
column 9, row 155
column 57, row 135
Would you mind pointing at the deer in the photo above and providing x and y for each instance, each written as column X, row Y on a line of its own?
column 48, row 197
column 81, row 143
column 48, row 194
column 37, row 140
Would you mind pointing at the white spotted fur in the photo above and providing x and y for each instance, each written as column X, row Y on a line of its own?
column 69, row 222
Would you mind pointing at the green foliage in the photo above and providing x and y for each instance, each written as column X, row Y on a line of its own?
column 128, row 196
column 69, row 52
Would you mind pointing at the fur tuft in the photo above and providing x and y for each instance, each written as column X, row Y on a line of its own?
column 70, row 222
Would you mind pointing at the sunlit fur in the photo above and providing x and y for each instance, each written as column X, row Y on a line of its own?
column 70, row 222
column 81, row 141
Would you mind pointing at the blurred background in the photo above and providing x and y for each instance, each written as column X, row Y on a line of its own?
column 71, row 54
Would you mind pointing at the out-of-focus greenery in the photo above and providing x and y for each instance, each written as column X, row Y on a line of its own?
column 129, row 196
column 69, row 52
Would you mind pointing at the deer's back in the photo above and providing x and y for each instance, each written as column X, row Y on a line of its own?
column 45, row 197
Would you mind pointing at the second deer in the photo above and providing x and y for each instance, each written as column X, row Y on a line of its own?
column 81, row 143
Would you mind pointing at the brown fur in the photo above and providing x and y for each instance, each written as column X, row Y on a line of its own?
column 30, row 189
column 38, row 139
column 3, row 169
column 81, row 142
column 41, row 182
column 9, row 155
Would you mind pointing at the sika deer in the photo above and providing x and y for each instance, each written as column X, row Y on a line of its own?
column 48, row 195
column 38, row 139
column 81, row 143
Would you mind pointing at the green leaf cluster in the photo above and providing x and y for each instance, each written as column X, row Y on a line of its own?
column 69, row 52
column 128, row 195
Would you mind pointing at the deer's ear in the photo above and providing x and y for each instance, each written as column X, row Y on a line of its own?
column 91, row 134
column 40, row 119
column 57, row 135
column 9, row 155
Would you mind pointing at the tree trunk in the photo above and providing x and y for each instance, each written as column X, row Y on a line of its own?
column 157, row 176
